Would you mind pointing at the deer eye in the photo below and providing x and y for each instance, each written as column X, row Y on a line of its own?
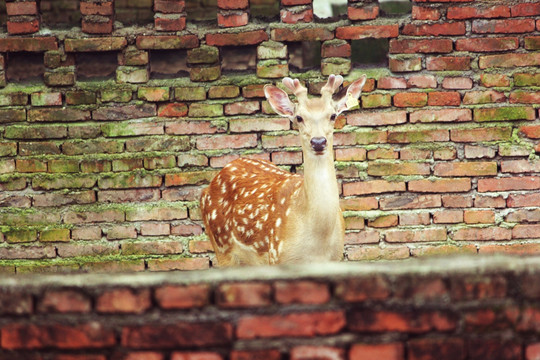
column 332, row 117
column 299, row 119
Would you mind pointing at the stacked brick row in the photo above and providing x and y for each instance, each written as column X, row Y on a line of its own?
column 441, row 158
column 460, row 310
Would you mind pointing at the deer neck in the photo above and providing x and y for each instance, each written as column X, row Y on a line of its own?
column 320, row 189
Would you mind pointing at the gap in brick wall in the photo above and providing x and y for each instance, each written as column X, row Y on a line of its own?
column 96, row 65
column 264, row 9
column 330, row 10
column 304, row 55
column 395, row 7
column 201, row 10
column 23, row 67
column 134, row 12
column 238, row 58
column 60, row 13
column 369, row 52
column 167, row 64
column 3, row 14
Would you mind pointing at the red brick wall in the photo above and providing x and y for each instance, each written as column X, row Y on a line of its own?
column 105, row 174
column 456, row 308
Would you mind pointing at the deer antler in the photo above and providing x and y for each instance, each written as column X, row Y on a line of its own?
column 333, row 83
column 298, row 90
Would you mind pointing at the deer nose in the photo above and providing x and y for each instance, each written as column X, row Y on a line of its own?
column 318, row 143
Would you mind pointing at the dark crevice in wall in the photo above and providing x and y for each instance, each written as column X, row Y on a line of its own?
column 23, row 67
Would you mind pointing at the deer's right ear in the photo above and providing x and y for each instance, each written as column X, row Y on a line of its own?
column 279, row 100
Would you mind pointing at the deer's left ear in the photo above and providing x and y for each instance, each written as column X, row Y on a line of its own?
column 350, row 98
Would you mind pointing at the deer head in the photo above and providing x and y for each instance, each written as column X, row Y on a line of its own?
column 314, row 117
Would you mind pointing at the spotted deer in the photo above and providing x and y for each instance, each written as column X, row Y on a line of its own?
column 255, row 213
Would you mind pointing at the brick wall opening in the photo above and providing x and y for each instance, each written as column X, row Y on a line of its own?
column 134, row 12
column 264, row 9
column 201, row 10
column 60, row 13
column 395, row 8
column 96, row 65
column 304, row 55
column 24, row 67
column 3, row 15
column 236, row 59
column 168, row 64
column 369, row 52
column 330, row 10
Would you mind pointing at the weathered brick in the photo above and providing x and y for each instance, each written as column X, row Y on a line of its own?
column 164, row 42
column 356, row 32
column 301, row 34
column 509, row 60
column 503, row 26
column 444, row 29
column 412, row 46
column 440, row 185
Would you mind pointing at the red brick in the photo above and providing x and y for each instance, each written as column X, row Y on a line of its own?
column 525, row 231
column 532, row 352
column 389, row 351
column 413, row 46
column 414, row 136
column 356, row 32
column 493, row 80
column 503, row 26
column 290, row 325
column 440, row 185
column 509, row 183
column 407, row 321
column 410, row 219
column 97, row 8
column 389, row 82
column 403, row 202
column 457, row 83
column 296, row 16
column 422, row 81
column 363, row 13
column 243, row 295
column 182, row 297
column 531, row 131
column 21, row 8
column 470, row 12
column 489, row 201
column 350, row 154
column 494, row 349
column 92, row 335
column 181, row 334
column 195, row 356
column 525, row 9
column 457, row 201
column 365, row 118
column 170, row 6
column 372, row 187
column 34, row 44
column 481, row 134
column 244, row 107
column 232, row 4
column 256, row 355
column 448, row 217
column 124, row 301
column 427, row 234
column 307, row 34
column 233, row 19
column 482, row 234
column 64, row 301
column 163, row 42
column 479, row 217
column 487, row 44
column 361, row 289
column 382, row 153
column 416, row 99
column 445, row 348
column 313, row 352
column 523, row 200
column 359, row 204
column 476, row 168
column 91, row 27
column 448, row 63
column 445, row 29
column 483, row 97
column 425, row 13
column 524, row 97
column 509, row 60
column 301, row 292
column 24, row 27
column 444, row 98
column 227, row 142
column 362, row 237
column 335, row 49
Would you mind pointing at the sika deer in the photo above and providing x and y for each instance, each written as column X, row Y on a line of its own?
column 256, row 213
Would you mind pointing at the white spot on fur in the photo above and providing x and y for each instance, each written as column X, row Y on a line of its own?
column 278, row 222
